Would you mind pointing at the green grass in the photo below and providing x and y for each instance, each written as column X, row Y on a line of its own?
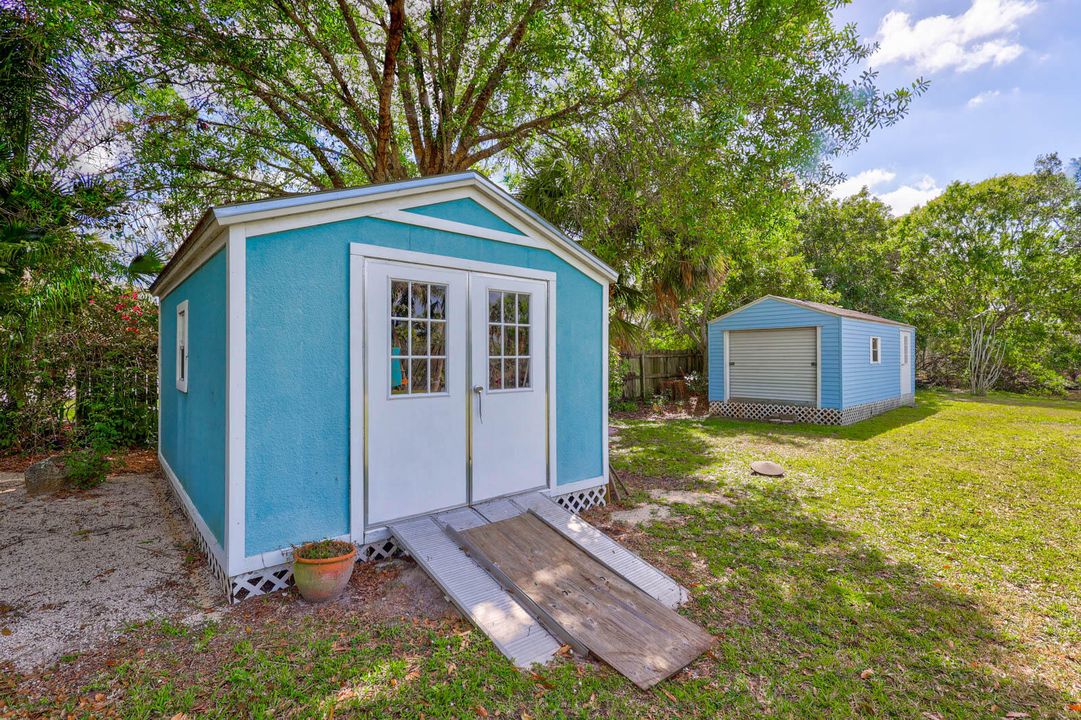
column 921, row 564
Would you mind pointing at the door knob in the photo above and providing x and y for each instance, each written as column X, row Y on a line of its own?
column 479, row 390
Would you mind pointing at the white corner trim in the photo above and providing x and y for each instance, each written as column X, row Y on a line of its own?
column 235, row 398
column 357, row 405
column 576, row 486
column 724, row 370
column 605, row 355
column 193, row 513
column 183, row 346
column 818, row 366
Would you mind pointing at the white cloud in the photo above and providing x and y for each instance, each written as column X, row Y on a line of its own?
column 900, row 200
column 907, row 197
column 869, row 178
column 963, row 42
column 982, row 98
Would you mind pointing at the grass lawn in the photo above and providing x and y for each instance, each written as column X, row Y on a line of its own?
column 922, row 564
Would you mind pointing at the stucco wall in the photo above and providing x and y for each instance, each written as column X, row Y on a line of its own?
column 298, row 365
column 772, row 313
column 192, row 432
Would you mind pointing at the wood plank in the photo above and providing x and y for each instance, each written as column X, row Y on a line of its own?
column 514, row 631
column 630, row 630
column 633, row 568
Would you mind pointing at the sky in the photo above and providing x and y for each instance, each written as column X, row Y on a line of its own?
column 1005, row 87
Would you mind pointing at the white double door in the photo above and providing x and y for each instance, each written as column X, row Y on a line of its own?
column 456, row 385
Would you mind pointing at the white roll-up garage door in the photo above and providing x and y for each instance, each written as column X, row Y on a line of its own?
column 773, row 365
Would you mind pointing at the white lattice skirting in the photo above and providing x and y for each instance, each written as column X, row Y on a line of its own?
column 280, row 577
column 581, row 500
column 802, row 413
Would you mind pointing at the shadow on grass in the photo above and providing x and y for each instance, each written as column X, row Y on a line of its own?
column 804, row 609
column 681, row 447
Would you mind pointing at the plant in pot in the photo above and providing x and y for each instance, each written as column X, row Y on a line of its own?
column 322, row 569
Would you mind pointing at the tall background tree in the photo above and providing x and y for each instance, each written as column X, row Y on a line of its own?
column 991, row 273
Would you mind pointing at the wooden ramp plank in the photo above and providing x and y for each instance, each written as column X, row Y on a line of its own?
column 633, row 568
column 619, row 623
column 480, row 598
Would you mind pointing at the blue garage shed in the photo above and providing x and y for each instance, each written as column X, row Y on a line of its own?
column 335, row 361
column 783, row 358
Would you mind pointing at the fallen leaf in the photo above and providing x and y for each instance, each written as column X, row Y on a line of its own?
column 1076, row 707
column 670, row 696
column 451, row 667
column 867, row 674
column 180, row 716
column 931, row 716
column 1017, row 714
column 481, row 711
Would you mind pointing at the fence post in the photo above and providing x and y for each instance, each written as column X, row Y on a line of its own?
column 642, row 376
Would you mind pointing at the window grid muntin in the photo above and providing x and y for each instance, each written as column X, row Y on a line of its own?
column 416, row 318
column 509, row 319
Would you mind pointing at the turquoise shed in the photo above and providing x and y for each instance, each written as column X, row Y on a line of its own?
column 794, row 359
column 335, row 361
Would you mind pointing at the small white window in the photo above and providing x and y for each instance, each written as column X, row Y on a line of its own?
column 182, row 351
column 876, row 350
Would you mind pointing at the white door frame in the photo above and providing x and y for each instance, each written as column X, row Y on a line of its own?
column 905, row 360
column 358, row 399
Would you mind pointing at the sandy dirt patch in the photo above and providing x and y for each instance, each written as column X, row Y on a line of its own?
column 659, row 511
column 78, row 567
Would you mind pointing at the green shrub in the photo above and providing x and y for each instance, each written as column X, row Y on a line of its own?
column 86, row 468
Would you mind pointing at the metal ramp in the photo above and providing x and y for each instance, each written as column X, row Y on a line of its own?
column 512, row 624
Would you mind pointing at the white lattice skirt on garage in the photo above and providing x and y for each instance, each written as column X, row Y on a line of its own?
column 802, row 413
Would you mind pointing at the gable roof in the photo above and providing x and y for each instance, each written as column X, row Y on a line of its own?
column 817, row 307
column 220, row 216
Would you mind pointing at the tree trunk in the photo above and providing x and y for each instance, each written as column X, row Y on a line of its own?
column 985, row 355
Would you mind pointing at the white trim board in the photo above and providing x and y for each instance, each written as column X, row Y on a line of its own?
column 236, row 374
column 576, row 486
column 279, row 214
column 192, row 512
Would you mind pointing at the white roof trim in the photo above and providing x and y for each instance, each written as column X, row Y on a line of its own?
column 823, row 311
column 226, row 215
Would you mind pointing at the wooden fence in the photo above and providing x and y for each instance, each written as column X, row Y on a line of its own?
column 658, row 372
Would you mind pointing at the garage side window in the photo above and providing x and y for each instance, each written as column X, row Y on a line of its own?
column 876, row 350
column 182, row 350
column 508, row 341
column 418, row 338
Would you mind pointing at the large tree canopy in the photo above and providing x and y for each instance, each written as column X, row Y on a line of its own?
column 238, row 98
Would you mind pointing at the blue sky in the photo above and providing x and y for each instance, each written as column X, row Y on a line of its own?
column 1005, row 87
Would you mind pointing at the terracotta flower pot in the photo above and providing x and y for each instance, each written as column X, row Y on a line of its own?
column 322, row 579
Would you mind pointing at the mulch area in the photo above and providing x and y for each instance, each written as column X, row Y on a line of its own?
column 136, row 461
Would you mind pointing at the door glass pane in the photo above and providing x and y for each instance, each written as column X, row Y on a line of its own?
column 419, row 292
column 438, row 339
column 415, row 341
column 509, row 340
column 509, row 366
column 510, row 313
column 399, row 337
column 509, row 374
column 420, row 376
column 438, row 376
column 399, row 377
column 418, row 338
column 523, row 372
column 399, row 299
column 437, row 301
